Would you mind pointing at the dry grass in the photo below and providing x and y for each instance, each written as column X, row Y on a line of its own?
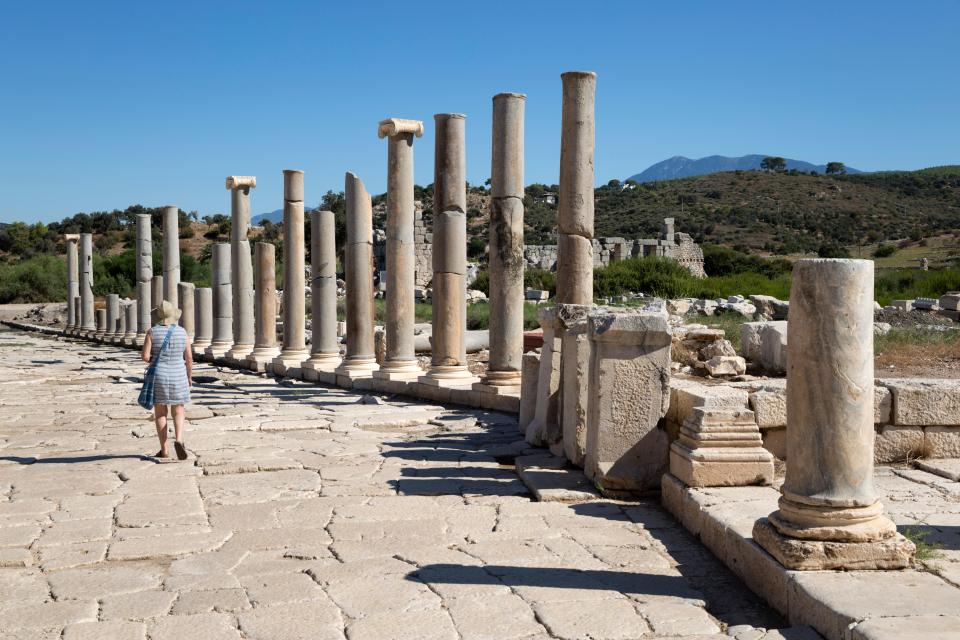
column 918, row 352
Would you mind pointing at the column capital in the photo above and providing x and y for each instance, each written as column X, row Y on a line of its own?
column 395, row 126
column 71, row 237
column 240, row 182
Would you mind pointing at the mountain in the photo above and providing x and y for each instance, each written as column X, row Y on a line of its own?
column 275, row 217
column 681, row 167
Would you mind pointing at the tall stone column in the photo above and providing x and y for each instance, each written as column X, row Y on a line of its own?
column 130, row 330
column 575, row 203
column 506, row 246
column 73, row 278
column 448, row 363
column 222, row 334
column 294, row 350
column 113, row 315
column 144, row 275
column 360, row 360
column 265, row 270
column 101, row 324
column 185, row 294
column 156, row 293
column 171, row 254
column 400, row 361
column 203, row 318
column 830, row 516
column 324, row 348
column 241, row 268
column 77, row 311
column 88, row 321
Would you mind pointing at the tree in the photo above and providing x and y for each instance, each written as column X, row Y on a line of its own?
column 775, row 164
column 836, row 168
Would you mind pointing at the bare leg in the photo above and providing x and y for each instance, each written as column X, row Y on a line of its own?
column 178, row 421
column 160, row 417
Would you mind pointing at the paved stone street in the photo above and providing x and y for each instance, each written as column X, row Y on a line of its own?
column 311, row 512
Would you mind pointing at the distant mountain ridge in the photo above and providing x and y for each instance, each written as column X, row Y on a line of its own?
column 682, row 167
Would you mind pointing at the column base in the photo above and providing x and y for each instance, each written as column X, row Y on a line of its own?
column 261, row 359
column 237, row 355
column 139, row 340
column 497, row 389
column 321, row 368
column 836, row 524
column 894, row 552
column 199, row 348
column 721, row 448
column 289, row 364
column 399, row 370
column 448, row 377
column 217, row 351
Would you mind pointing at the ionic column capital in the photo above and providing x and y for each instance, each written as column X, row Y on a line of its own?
column 395, row 126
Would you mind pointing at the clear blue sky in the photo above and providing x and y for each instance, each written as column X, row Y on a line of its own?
column 107, row 104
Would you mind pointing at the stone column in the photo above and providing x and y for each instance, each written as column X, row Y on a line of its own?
column 575, row 203
column 629, row 394
column 544, row 429
column 400, row 361
column 574, row 391
column 203, row 319
column 360, row 360
column 77, row 312
column 113, row 316
column 506, row 246
column 185, row 293
column 156, row 293
column 324, row 348
column 144, row 275
column 171, row 254
column 88, row 321
column 73, row 279
column 830, row 516
column 294, row 350
column 130, row 330
column 241, row 268
column 222, row 296
column 265, row 270
column 448, row 363
column 101, row 325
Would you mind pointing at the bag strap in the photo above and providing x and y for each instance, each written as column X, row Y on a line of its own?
column 166, row 339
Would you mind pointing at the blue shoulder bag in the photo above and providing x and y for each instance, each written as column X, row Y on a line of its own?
column 150, row 375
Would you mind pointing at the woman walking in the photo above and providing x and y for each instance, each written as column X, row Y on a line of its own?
column 174, row 374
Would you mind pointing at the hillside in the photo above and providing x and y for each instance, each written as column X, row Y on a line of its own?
column 682, row 167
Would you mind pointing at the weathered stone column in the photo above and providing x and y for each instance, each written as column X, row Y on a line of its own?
column 222, row 334
column 130, row 328
column 360, row 360
column 324, row 348
column 265, row 270
column 185, row 293
column 77, row 312
column 574, row 390
column 101, row 325
column 156, row 293
column 830, row 516
column 73, row 278
column 88, row 321
column 506, row 246
column 544, row 429
column 575, row 203
column 171, row 254
column 400, row 361
column 144, row 275
column 294, row 350
column 448, row 363
column 113, row 316
column 203, row 318
column 241, row 268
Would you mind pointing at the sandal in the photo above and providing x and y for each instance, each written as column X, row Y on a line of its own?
column 180, row 449
column 160, row 454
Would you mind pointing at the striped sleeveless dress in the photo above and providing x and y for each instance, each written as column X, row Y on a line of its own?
column 171, row 382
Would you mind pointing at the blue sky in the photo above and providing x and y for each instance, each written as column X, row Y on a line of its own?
column 106, row 104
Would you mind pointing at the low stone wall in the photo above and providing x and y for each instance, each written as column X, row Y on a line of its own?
column 608, row 250
column 914, row 417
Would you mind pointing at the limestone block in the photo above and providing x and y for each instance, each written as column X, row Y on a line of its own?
column 574, row 388
column 719, row 448
column 770, row 308
column 902, row 305
column 770, row 408
column 924, row 401
column 683, row 399
column 941, row 442
column 775, row 441
column 773, row 347
column 882, row 404
column 950, row 301
column 896, row 444
column 750, row 340
column 528, row 388
column 726, row 366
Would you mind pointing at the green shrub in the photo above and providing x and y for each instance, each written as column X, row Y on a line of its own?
column 482, row 282
column 39, row 279
column 885, row 250
column 540, row 279
column 655, row 276
column 722, row 261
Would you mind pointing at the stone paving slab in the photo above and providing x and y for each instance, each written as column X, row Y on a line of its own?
column 313, row 512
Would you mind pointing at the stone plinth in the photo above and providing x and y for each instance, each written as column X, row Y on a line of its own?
column 528, row 389
column 828, row 494
column 88, row 321
column 185, row 298
column 294, row 351
column 324, row 348
column 721, row 448
column 203, row 316
column 544, row 428
column 171, row 255
column 241, row 269
column 574, row 389
column 265, row 348
column 629, row 394
column 222, row 295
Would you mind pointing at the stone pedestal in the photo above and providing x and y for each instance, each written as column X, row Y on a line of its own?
column 530, row 375
column 144, row 249
column 112, row 317
column 448, row 364
column 400, row 361
column 720, row 448
column 203, row 316
column 73, row 279
column 828, row 497
column 544, row 429
column 222, row 294
column 265, row 348
column 629, row 394
column 156, row 295
column 171, row 255
column 360, row 360
column 506, row 247
column 185, row 295
column 101, row 325
column 130, row 328
column 241, row 269
column 88, row 321
column 324, row 347
column 294, row 350
column 574, row 390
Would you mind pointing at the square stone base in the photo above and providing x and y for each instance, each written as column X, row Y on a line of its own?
column 466, row 382
column 483, row 387
column 318, row 375
column 716, row 473
column 401, row 375
column 895, row 552
column 259, row 362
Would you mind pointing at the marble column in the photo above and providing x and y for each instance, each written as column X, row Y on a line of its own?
column 324, row 348
column 185, row 294
column 203, row 319
column 171, row 254
column 830, row 516
column 241, row 268
column 265, row 270
column 76, row 314
column 448, row 362
column 294, row 350
column 156, row 293
column 144, row 275
column 360, row 360
column 113, row 315
column 575, row 200
column 506, row 247
column 73, row 279
column 121, row 323
column 222, row 295
column 400, row 361
column 88, row 321
column 101, row 325
column 130, row 330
